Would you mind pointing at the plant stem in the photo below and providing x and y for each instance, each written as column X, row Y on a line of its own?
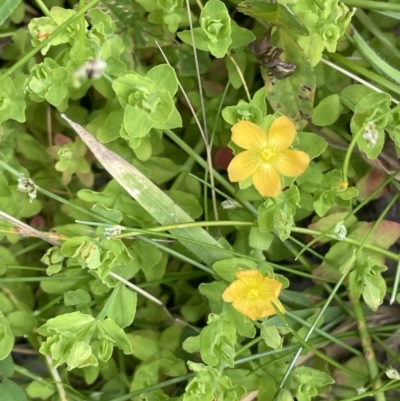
column 43, row 8
column 367, row 347
column 360, row 318
column 373, row 5
column 82, row 34
column 391, row 86
column 377, row 33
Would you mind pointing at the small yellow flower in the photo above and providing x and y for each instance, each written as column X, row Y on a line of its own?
column 343, row 186
column 266, row 155
column 252, row 294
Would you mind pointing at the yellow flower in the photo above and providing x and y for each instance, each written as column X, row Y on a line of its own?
column 252, row 294
column 266, row 155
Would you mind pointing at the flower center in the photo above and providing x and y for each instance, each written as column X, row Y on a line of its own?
column 252, row 294
column 268, row 155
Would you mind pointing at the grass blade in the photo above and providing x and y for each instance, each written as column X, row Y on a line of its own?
column 152, row 198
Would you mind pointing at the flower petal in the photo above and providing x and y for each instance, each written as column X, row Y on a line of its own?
column 281, row 133
column 291, row 163
column 252, row 278
column 247, row 308
column 248, row 135
column 243, row 165
column 266, row 180
column 236, row 290
column 270, row 288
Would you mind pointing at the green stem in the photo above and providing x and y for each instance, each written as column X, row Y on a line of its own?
column 315, row 351
column 310, row 331
column 378, row 64
column 365, row 338
column 370, row 75
column 300, row 230
column 368, row 349
column 351, row 241
column 188, row 165
column 82, row 34
column 395, row 284
column 349, row 152
column 43, row 8
column 377, row 33
column 184, row 146
column 373, row 5
column 43, row 44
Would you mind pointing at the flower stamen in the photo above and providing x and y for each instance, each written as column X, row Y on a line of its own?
column 269, row 155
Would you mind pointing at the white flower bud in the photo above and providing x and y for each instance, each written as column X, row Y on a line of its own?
column 361, row 390
column 340, row 231
column 229, row 204
column 370, row 135
column 392, row 373
column 26, row 185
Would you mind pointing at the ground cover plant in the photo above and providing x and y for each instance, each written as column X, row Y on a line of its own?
column 199, row 199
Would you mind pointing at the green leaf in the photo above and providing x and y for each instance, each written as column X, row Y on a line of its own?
column 7, row 7
column 108, row 329
column 123, row 306
column 226, row 268
column 40, row 390
column 80, row 356
column 240, row 37
column 6, row 367
column 214, row 33
column 187, row 202
column 191, row 344
column 144, row 347
column 274, row 13
column 241, row 61
column 217, row 343
column 6, row 337
column 373, row 58
column 312, row 144
column 367, row 118
column 292, row 96
column 308, row 381
column 12, row 100
column 271, row 336
column 68, row 324
column 351, row 95
column 200, row 38
column 10, row 391
column 21, row 323
column 259, row 240
column 242, row 111
column 77, row 297
column 165, row 77
column 328, row 111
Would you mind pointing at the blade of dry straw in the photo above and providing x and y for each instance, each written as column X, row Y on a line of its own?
column 152, row 198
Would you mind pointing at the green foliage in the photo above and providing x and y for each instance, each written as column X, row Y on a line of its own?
column 147, row 101
column 80, row 340
column 117, row 246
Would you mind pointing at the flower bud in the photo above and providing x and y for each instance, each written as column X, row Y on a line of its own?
column 392, row 373
column 370, row 135
column 340, row 231
column 285, row 395
column 26, row 185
